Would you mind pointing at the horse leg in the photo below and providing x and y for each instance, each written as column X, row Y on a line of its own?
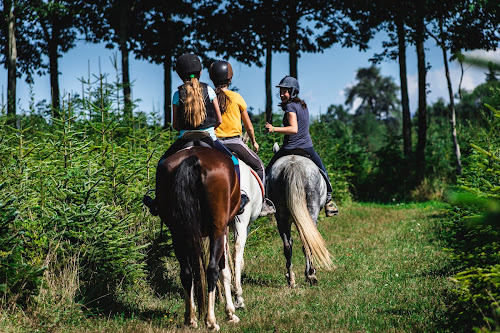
column 216, row 252
column 226, row 281
column 187, row 283
column 310, row 271
column 241, row 234
column 284, row 228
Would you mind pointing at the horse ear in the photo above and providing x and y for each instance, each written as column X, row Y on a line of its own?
column 276, row 147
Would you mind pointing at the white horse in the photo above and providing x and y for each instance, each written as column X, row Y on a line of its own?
column 250, row 184
column 298, row 190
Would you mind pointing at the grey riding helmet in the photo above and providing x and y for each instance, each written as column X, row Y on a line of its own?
column 220, row 72
column 290, row 83
column 188, row 64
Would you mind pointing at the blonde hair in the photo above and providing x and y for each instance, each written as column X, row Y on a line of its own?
column 194, row 105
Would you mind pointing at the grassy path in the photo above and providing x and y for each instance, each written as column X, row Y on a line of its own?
column 391, row 275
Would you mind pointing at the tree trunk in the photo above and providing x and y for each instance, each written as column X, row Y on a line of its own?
column 407, row 146
column 127, row 100
column 167, row 65
column 293, row 46
column 54, row 69
column 11, row 63
column 269, row 94
column 456, row 147
column 422, row 104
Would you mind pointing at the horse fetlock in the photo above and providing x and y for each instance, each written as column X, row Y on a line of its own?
column 239, row 303
column 290, row 276
column 233, row 319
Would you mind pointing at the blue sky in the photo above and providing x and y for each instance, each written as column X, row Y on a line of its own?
column 323, row 77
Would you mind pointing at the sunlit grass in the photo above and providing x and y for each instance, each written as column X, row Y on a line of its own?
column 390, row 276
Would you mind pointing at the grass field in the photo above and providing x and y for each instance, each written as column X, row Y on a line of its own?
column 391, row 275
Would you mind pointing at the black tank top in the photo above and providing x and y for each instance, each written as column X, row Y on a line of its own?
column 210, row 111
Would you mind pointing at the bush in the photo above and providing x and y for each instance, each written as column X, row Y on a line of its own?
column 475, row 231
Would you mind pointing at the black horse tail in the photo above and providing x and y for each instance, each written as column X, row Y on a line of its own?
column 188, row 202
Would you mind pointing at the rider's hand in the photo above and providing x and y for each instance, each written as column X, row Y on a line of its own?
column 255, row 146
column 269, row 128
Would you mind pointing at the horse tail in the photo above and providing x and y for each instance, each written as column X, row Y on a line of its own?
column 314, row 244
column 188, row 198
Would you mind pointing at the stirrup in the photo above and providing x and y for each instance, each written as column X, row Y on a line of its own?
column 331, row 209
column 267, row 208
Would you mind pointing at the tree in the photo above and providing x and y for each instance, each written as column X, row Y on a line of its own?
column 165, row 36
column 300, row 17
column 491, row 76
column 11, row 58
column 368, row 17
column 56, row 30
column 235, row 31
column 377, row 93
column 463, row 25
column 20, row 55
column 422, row 93
column 116, row 22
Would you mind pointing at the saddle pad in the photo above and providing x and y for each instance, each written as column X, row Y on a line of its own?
column 259, row 181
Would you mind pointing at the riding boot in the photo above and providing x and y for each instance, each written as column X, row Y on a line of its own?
column 244, row 200
column 267, row 208
column 151, row 203
column 331, row 208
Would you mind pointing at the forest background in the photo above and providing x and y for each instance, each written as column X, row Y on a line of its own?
column 74, row 169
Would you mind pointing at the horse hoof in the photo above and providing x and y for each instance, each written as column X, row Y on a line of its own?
column 234, row 319
column 192, row 324
column 239, row 303
column 312, row 279
column 213, row 327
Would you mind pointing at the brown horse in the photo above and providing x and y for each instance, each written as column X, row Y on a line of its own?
column 198, row 195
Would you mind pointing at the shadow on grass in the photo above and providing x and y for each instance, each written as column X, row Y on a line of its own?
column 260, row 281
column 157, row 273
column 161, row 282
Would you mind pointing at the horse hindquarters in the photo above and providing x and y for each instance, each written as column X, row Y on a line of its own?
column 186, row 233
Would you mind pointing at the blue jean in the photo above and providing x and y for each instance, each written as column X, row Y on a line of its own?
column 313, row 156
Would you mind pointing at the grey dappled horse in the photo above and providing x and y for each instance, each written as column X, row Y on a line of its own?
column 298, row 191
column 250, row 185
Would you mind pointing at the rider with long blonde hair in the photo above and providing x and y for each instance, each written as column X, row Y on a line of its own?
column 195, row 111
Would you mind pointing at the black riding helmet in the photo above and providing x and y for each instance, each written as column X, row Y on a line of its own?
column 291, row 83
column 188, row 64
column 221, row 72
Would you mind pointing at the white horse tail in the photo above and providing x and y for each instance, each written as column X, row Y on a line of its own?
column 314, row 244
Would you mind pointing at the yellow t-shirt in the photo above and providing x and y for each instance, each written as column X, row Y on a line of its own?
column 231, row 119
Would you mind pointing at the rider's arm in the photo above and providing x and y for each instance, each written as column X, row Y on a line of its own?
column 174, row 117
column 218, row 116
column 287, row 130
column 249, row 128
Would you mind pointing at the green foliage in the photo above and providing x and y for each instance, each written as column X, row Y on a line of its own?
column 79, row 182
column 475, row 230
column 18, row 278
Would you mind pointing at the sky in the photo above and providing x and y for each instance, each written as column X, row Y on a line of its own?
column 323, row 77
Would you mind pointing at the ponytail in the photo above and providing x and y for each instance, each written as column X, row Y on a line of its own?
column 194, row 106
column 222, row 98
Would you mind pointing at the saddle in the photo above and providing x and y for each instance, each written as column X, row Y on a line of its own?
column 300, row 152
column 197, row 138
